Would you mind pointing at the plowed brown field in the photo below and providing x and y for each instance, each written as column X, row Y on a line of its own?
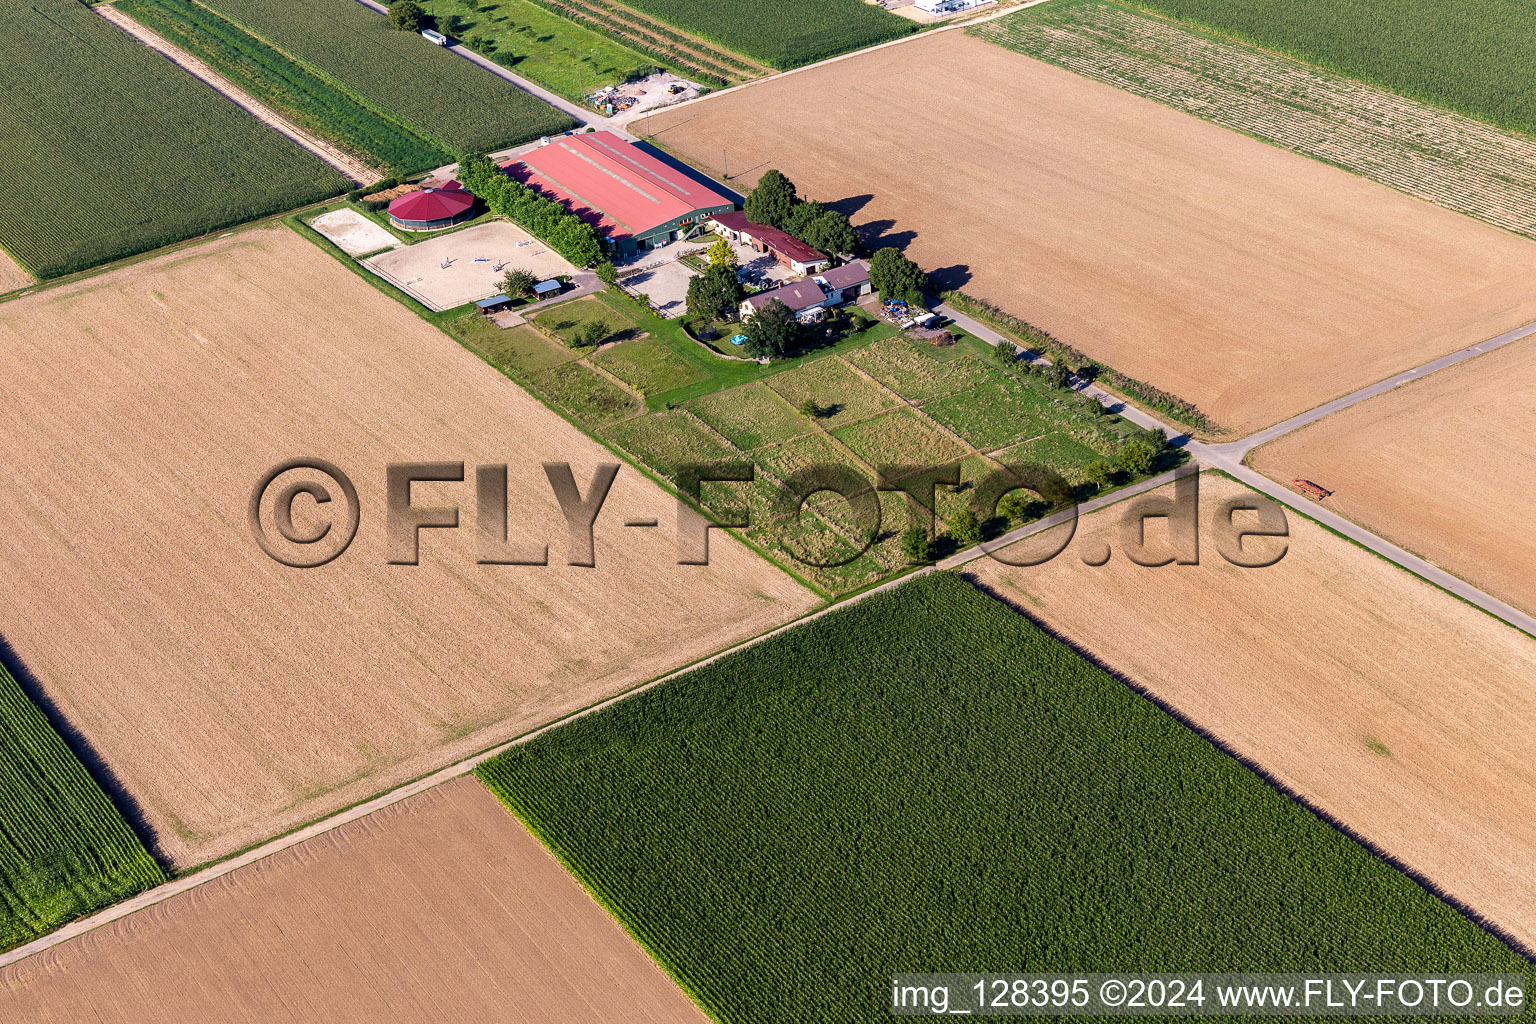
column 1251, row 281
column 1442, row 466
column 232, row 697
column 440, row 908
column 1407, row 715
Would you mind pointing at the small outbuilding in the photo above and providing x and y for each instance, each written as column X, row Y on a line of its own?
column 432, row 209
column 494, row 304
column 546, row 289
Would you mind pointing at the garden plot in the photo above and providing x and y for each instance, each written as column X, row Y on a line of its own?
column 459, row 267
column 839, row 392
column 353, row 233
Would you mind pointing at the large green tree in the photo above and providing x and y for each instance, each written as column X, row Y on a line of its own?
column 896, row 277
column 830, row 232
column 714, row 292
column 772, row 331
column 406, row 15
column 772, row 200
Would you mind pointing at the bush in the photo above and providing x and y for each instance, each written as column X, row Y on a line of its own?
column 1136, row 458
column 1098, row 472
column 916, row 545
column 606, row 273
column 965, row 528
column 809, row 409
column 1057, row 375
column 1016, row 507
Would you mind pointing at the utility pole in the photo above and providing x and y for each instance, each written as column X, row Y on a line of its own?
column 725, row 167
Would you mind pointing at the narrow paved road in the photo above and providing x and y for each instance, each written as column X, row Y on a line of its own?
column 1228, row 457
column 338, row 158
column 584, row 115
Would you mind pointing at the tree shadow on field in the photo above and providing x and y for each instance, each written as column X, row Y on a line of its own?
column 850, row 206
column 95, row 765
column 1424, row 883
column 877, row 234
column 951, row 278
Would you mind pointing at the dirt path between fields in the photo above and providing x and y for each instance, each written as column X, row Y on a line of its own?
column 338, row 158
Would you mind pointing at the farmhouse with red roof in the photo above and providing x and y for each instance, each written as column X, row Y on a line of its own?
column 634, row 199
column 782, row 246
column 431, row 209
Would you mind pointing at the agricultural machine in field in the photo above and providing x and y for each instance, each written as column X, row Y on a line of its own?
column 1310, row 489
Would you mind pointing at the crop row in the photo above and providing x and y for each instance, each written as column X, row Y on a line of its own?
column 64, row 849
column 1434, row 154
column 709, row 71
column 660, row 30
column 1473, row 56
column 460, row 107
column 109, row 150
column 287, row 87
column 925, row 780
column 782, row 33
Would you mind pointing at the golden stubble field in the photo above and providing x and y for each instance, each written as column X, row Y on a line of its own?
column 1405, row 714
column 439, row 908
column 232, row 697
column 11, row 274
column 1251, row 281
column 1442, row 466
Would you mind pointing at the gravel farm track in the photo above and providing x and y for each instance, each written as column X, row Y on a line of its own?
column 1441, row 466
column 1404, row 714
column 338, row 158
column 1251, row 281
column 439, row 908
column 140, row 409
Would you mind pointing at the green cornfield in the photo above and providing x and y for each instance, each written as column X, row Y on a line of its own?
column 442, row 97
column 108, row 149
column 782, row 33
column 288, row 88
column 64, row 849
column 925, row 781
column 1473, row 56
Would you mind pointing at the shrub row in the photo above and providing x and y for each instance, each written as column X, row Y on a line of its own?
column 566, row 233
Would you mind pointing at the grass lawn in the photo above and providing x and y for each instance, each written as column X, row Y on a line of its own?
column 809, row 450
column 1056, row 450
column 583, row 393
column 838, row 800
column 564, row 318
column 900, row 438
column 998, row 411
column 842, row 394
column 518, row 351
column 663, row 440
column 751, row 415
column 919, row 372
column 558, row 54
column 649, row 365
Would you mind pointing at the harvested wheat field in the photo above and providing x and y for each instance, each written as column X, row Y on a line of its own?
column 1441, row 466
column 1251, row 281
column 11, row 275
column 1405, row 714
column 439, row 908
column 230, row 696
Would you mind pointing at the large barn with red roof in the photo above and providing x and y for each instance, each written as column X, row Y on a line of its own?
column 636, row 200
